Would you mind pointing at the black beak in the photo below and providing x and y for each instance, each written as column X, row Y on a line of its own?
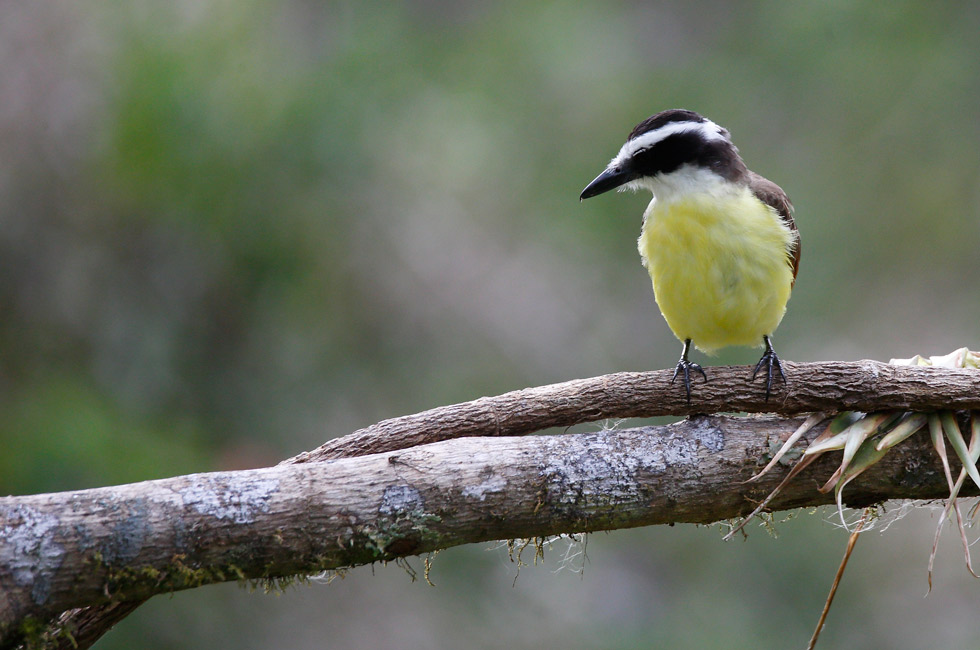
column 607, row 180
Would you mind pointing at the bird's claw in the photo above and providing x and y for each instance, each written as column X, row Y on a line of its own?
column 770, row 361
column 686, row 367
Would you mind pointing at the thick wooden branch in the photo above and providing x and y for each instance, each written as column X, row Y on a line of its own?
column 810, row 387
column 105, row 551
column 126, row 543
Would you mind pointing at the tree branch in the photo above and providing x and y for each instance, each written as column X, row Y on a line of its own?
column 830, row 386
column 106, row 550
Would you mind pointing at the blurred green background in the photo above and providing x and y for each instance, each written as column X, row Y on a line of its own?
column 232, row 230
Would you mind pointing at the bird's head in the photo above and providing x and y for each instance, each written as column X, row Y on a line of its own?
column 665, row 143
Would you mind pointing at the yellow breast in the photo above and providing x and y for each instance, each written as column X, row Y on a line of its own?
column 719, row 265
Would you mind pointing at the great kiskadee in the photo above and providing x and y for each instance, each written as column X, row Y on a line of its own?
column 718, row 240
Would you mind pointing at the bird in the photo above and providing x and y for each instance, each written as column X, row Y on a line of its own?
column 718, row 240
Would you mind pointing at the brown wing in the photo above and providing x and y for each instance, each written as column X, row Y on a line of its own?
column 774, row 196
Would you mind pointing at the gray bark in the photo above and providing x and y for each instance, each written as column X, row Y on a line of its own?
column 107, row 549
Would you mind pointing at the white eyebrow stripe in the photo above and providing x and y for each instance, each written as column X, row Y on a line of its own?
column 708, row 129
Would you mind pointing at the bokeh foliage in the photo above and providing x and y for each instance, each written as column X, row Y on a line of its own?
column 231, row 230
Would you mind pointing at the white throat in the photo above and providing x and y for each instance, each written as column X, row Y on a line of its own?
column 683, row 182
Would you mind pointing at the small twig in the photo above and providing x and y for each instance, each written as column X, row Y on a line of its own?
column 851, row 541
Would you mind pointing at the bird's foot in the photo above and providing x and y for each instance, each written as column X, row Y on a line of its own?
column 686, row 367
column 770, row 362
